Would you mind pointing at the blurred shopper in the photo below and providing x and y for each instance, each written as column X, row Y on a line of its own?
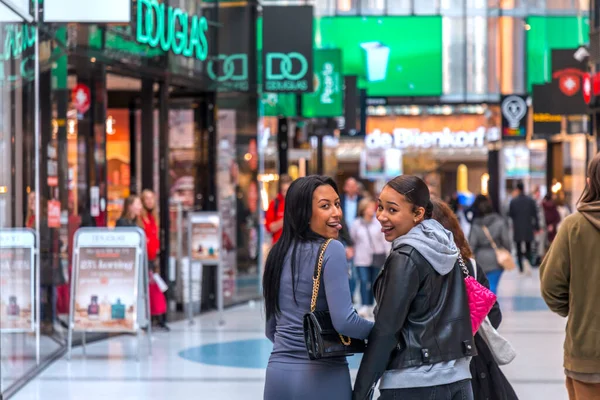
column 149, row 217
column 422, row 342
column 563, row 208
column 373, row 250
column 132, row 212
column 489, row 229
column 541, row 237
column 569, row 282
column 488, row 381
column 349, row 202
column 132, row 217
column 274, row 215
column 313, row 214
column 551, row 217
column 524, row 214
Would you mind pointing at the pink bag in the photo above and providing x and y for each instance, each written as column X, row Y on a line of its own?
column 481, row 299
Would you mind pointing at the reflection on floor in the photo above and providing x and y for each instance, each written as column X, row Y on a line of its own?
column 18, row 355
column 208, row 361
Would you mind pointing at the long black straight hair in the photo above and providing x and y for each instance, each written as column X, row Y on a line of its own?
column 296, row 229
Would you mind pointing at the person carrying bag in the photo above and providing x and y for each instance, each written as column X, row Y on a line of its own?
column 503, row 256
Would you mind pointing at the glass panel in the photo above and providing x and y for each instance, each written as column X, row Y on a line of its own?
column 560, row 4
column 453, row 55
column 426, row 7
column 476, row 55
column 346, row 7
column 583, row 5
column 511, row 4
column 477, row 4
column 18, row 202
column 493, row 55
column 512, row 32
column 325, row 7
column 452, row 5
column 398, row 7
column 372, row 7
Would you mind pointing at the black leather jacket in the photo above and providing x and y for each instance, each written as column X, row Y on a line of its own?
column 422, row 318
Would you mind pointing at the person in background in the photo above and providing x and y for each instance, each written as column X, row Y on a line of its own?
column 569, row 278
column 312, row 215
column 524, row 214
column 422, row 342
column 366, row 235
column 349, row 204
column 488, row 381
column 274, row 215
column 563, row 208
column 541, row 237
column 551, row 217
column 489, row 223
column 149, row 217
column 132, row 211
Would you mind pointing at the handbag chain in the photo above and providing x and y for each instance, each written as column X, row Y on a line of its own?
column 317, row 285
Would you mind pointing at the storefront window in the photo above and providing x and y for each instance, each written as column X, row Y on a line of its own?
column 372, row 7
column 426, row 7
column 399, row 7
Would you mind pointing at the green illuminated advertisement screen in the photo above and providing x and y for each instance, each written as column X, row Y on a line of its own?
column 392, row 56
column 551, row 33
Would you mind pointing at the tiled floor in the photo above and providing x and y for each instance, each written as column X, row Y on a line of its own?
column 208, row 361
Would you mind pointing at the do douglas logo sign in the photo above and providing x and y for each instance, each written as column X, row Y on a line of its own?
column 288, row 49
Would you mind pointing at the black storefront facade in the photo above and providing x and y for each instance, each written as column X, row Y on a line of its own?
column 122, row 109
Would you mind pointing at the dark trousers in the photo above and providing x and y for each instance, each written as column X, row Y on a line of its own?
column 367, row 276
column 520, row 253
column 455, row 391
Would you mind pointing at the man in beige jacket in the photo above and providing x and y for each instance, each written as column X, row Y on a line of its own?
column 570, row 277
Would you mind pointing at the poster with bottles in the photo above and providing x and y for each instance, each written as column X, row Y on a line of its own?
column 17, row 248
column 205, row 232
column 106, row 281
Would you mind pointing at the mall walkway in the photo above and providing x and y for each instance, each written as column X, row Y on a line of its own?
column 205, row 361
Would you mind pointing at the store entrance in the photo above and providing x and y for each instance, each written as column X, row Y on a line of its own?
column 122, row 123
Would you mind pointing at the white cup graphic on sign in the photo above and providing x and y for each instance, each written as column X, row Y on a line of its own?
column 377, row 56
column 514, row 109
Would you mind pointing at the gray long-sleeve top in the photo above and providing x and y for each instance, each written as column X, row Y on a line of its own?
column 285, row 330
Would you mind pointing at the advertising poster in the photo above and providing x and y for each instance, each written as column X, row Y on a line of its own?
column 227, row 176
column 516, row 162
column 182, row 157
column 16, row 281
column 327, row 100
column 106, row 284
column 376, row 50
column 205, row 243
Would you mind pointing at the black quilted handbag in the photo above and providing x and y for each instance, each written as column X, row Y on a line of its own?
column 321, row 338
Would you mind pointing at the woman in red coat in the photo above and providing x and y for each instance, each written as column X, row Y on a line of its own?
column 158, row 302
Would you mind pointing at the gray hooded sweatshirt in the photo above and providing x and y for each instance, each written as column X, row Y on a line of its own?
column 437, row 246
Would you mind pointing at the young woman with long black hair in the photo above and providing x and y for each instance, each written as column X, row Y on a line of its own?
column 312, row 215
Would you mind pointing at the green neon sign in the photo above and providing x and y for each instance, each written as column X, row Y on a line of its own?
column 18, row 39
column 172, row 29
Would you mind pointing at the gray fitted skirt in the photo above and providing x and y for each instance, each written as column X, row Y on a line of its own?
column 311, row 381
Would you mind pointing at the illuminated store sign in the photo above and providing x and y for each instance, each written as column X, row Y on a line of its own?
column 18, row 39
column 172, row 29
column 402, row 138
